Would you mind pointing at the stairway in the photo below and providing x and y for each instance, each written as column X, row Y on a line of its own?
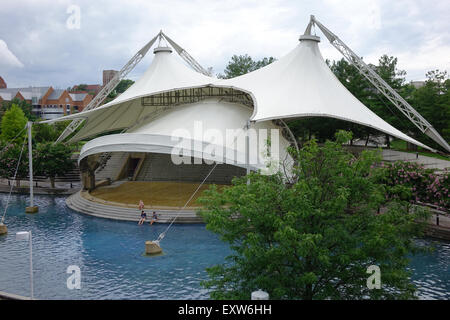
column 159, row 167
column 79, row 203
column 438, row 232
column 111, row 165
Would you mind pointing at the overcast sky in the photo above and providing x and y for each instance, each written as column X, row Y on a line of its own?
column 42, row 44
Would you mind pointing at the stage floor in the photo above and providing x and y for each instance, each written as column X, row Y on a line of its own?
column 155, row 194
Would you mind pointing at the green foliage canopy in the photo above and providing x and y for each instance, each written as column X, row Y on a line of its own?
column 315, row 238
column 243, row 64
column 52, row 159
column 13, row 121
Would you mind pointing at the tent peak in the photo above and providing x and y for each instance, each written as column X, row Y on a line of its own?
column 309, row 37
column 162, row 49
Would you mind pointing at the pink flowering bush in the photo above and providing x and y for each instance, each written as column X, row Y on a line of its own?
column 412, row 182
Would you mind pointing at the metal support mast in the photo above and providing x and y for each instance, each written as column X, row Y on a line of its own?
column 109, row 87
column 400, row 103
column 186, row 56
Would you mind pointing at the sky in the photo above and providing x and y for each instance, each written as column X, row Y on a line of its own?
column 66, row 42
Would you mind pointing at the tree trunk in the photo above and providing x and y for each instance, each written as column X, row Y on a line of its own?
column 308, row 294
column 52, row 182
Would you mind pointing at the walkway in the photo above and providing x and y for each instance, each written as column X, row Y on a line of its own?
column 43, row 187
column 427, row 162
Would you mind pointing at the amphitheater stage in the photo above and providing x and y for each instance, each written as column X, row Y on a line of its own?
column 155, row 194
column 120, row 200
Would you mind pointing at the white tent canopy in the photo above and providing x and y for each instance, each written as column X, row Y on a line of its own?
column 299, row 84
column 166, row 73
column 196, row 130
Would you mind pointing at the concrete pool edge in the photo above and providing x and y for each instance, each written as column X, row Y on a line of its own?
column 81, row 203
column 12, row 296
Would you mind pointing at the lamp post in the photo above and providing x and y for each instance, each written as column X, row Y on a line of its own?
column 32, row 208
column 260, row 295
column 26, row 235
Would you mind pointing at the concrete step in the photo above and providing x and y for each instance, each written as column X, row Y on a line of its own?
column 78, row 203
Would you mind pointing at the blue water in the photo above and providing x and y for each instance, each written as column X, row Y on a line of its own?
column 110, row 257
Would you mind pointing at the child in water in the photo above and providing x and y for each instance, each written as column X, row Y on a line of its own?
column 141, row 205
column 154, row 217
column 143, row 217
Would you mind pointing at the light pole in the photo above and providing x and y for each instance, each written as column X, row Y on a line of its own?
column 32, row 208
column 26, row 235
column 260, row 295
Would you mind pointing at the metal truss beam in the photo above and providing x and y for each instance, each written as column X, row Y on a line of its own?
column 381, row 85
column 186, row 56
column 109, row 87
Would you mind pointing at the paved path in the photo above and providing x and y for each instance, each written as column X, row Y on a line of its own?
column 62, row 188
column 428, row 162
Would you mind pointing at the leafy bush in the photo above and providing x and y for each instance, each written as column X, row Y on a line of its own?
column 412, row 182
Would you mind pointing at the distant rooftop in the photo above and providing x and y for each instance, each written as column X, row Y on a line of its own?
column 417, row 83
column 56, row 94
column 78, row 96
column 27, row 92
column 5, row 96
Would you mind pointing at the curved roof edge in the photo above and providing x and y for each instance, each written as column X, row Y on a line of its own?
column 87, row 113
column 151, row 143
column 305, row 115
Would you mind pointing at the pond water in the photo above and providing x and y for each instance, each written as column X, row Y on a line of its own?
column 110, row 257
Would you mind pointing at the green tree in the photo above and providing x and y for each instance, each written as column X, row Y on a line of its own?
column 358, row 85
column 22, row 104
column 13, row 121
column 242, row 64
column 121, row 87
column 315, row 238
column 43, row 132
column 432, row 101
column 81, row 87
column 52, row 159
column 387, row 69
column 9, row 161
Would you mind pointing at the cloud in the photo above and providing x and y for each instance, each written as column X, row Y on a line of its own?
column 111, row 32
column 7, row 58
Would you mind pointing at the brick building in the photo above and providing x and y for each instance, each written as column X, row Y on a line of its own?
column 108, row 75
column 2, row 83
column 48, row 103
